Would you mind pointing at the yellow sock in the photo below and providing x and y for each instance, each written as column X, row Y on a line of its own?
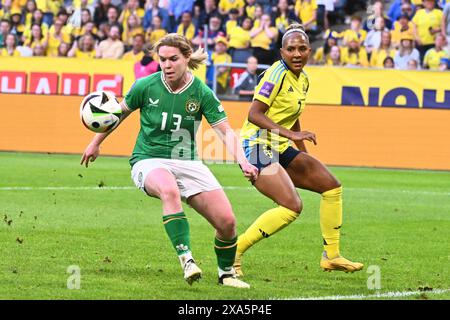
column 331, row 220
column 266, row 225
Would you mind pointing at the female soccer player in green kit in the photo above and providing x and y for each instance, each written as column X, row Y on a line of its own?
column 273, row 121
column 164, row 160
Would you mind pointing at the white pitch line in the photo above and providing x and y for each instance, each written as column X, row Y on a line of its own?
column 62, row 188
column 396, row 294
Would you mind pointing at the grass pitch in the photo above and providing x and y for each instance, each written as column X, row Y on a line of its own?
column 57, row 214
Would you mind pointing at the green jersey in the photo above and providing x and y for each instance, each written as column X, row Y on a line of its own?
column 169, row 121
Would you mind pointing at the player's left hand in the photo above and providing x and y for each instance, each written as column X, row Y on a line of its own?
column 250, row 171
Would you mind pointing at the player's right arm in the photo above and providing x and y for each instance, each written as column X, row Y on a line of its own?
column 92, row 151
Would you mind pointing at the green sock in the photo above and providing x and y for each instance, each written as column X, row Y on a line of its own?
column 225, row 251
column 177, row 228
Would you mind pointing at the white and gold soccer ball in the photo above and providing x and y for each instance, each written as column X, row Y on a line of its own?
column 100, row 111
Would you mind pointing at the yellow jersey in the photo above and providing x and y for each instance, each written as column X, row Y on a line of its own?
column 424, row 21
column 261, row 40
column 227, row 5
column 155, row 35
column 378, row 55
column 285, row 94
column 239, row 38
column 4, row 53
column 306, row 10
column 131, row 56
column 432, row 58
column 189, row 33
column 222, row 58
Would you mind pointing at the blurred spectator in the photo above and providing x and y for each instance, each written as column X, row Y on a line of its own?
column 17, row 28
column 434, row 55
column 245, row 86
column 396, row 9
column 112, row 47
column 324, row 8
column 306, row 10
column 38, row 50
column 132, row 28
column 10, row 47
column 427, row 23
column 444, row 64
column 321, row 55
column 210, row 9
column 37, row 38
column 406, row 52
column 283, row 17
column 249, row 9
column 5, row 9
column 84, row 48
column 5, row 28
column 177, row 7
column 373, row 38
column 49, row 8
column 259, row 11
column 155, row 31
column 186, row 27
column 55, row 37
column 214, row 30
column 418, row 4
column 63, row 49
column 334, row 58
column 354, row 30
column 36, row 19
column 446, row 23
column 101, row 12
column 388, row 63
column 137, row 52
column 408, row 9
column 113, row 18
column 232, row 20
column 63, row 16
column 220, row 55
column 384, row 50
column 226, row 5
column 76, row 19
column 154, row 10
column 239, row 41
column 403, row 25
column 412, row 64
column 131, row 8
column 85, row 17
column 261, row 40
column 28, row 11
column 354, row 55
column 378, row 12
column 145, row 67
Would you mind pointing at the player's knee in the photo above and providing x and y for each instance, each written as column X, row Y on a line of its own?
column 294, row 204
column 168, row 194
column 227, row 225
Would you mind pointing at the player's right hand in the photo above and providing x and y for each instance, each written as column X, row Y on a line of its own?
column 90, row 154
column 304, row 135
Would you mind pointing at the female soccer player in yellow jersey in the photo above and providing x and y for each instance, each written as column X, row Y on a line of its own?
column 273, row 120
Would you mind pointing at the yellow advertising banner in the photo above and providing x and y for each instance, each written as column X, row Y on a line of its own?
column 375, row 87
column 68, row 76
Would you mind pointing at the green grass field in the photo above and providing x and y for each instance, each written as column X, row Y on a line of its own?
column 55, row 215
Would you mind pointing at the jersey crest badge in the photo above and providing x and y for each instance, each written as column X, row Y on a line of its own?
column 192, row 106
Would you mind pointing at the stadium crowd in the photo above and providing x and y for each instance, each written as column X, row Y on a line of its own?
column 401, row 34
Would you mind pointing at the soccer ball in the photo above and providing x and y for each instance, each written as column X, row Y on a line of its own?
column 100, row 111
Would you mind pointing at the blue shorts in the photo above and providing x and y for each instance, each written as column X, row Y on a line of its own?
column 261, row 155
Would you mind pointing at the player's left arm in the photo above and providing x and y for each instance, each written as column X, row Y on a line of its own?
column 231, row 141
column 299, row 143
